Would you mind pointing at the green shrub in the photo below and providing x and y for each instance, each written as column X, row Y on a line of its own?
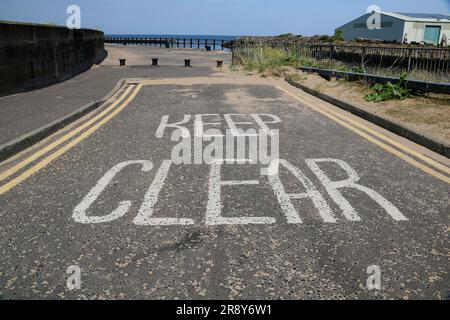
column 338, row 35
column 390, row 91
column 352, row 69
column 325, row 38
column 309, row 63
column 264, row 58
column 358, row 69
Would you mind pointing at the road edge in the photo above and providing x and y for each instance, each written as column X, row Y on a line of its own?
column 13, row 147
column 395, row 127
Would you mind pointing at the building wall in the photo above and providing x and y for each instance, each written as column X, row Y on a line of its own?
column 33, row 56
column 392, row 29
column 416, row 30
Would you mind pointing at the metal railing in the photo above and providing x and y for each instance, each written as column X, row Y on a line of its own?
column 386, row 60
column 191, row 43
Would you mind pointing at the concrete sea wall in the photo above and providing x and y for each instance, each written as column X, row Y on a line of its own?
column 34, row 56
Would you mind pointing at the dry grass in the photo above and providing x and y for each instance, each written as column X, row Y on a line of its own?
column 429, row 114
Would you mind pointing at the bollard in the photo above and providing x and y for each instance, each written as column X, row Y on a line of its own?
column 219, row 63
column 187, row 63
column 122, row 62
column 154, row 62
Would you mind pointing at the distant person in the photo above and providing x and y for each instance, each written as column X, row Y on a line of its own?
column 405, row 39
column 444, row 40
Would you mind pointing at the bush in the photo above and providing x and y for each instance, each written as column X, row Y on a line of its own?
column 338, row 35
column 352, row 69
column 390, row 91
column 264, row 58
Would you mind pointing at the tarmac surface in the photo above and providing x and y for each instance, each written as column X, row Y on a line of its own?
column 25, row 112
column 111, row 200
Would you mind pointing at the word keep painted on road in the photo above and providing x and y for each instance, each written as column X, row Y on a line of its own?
column 213, row 210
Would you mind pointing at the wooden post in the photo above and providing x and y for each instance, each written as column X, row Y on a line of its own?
column 409, row 59
column 363, row 56
column 331, row 56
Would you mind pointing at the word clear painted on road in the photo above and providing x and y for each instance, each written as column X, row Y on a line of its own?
column 213, row 210
column 250, row 149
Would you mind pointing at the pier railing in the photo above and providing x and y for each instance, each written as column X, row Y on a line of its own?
column 426, row 63
column 191, row 43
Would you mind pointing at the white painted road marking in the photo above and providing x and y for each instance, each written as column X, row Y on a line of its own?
column 80, row 212
column 214, row 206
column 311, row 192
column 333, row 186
column 213, row 215
column 144, row 217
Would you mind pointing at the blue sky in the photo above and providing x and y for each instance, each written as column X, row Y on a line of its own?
column 220, row 17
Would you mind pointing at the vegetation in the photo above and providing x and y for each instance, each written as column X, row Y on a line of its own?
column 273, row 61
column 357, row 69
column 338, row 35
column 390, row 91
column 264, row 58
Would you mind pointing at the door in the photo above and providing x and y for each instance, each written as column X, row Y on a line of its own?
column 432, row 34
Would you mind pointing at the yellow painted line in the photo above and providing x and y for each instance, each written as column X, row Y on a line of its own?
column 407, row 149
column 382, row 145
column 46, row 161
column 61, row 140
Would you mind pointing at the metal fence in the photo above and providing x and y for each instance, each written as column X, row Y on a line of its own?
column 423, row 63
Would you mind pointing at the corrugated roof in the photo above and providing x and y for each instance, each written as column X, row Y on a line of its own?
column 427, row 17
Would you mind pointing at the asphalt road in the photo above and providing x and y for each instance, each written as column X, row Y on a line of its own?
column 25, row 112
column 102, row 204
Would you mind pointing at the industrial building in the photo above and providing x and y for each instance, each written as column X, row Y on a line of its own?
column 401, row 28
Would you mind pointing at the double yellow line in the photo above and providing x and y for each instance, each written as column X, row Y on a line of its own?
column 90, row 126
column 364, row 131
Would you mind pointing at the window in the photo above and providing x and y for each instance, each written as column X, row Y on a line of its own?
column 386, row 24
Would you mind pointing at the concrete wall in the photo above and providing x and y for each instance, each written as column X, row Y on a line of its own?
column 391, row 29
column 34, row 56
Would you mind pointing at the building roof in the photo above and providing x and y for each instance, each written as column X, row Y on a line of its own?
column 419, row 17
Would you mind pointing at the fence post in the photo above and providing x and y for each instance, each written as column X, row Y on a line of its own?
column 409, row 59
column 363, row 56
column 331, row 55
